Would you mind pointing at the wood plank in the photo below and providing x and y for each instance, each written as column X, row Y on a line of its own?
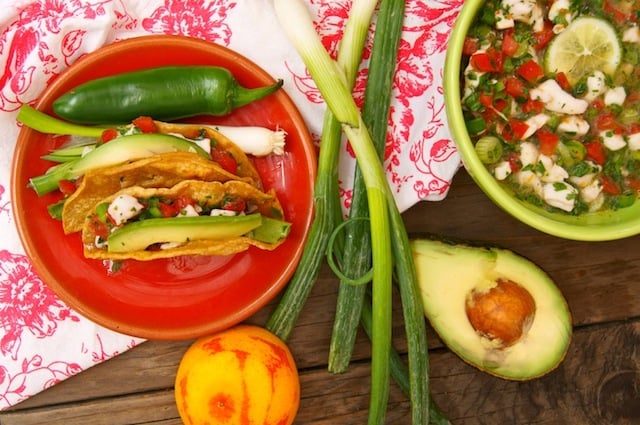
column 598, row 279
column 597, row 384
column 152, row 365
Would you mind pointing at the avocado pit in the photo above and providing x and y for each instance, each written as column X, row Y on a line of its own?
column 502, row 313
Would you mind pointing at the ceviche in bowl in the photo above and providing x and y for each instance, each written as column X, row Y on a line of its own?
column 543, row 100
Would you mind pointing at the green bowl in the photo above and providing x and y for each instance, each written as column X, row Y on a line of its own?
column 602, row 226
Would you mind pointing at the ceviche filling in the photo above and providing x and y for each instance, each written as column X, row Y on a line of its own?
column 552, row 100
column 125, row 208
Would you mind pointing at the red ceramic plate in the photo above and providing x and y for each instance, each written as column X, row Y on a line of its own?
column 183, row 297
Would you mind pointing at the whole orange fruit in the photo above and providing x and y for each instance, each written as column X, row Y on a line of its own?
column 244, row 375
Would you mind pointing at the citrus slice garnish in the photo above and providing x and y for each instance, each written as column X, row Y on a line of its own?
column 586, row 45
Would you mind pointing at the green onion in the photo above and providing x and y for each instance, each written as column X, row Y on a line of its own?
column 55, row 209
column 48, row 182
column 254, row 140
column 326, row 195
column 67, row 154
column 297, row 23
column 47, row 124
column 375, row 114
column 571, row 152
column 629, row 116
column 400, row 372
column 357, row 250
column 489, row 149
column 476, row 125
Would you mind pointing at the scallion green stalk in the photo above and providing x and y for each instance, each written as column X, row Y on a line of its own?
column 47, row 124
column 326, row 196
column 49, row 181
column 298, row 25
column 375, row 113
column 400, row 372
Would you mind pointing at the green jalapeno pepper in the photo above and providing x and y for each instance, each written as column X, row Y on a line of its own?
column 164, row 93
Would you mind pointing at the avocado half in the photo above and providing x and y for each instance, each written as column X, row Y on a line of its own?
column 495, row 309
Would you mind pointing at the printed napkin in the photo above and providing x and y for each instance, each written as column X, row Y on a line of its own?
column 42, row 340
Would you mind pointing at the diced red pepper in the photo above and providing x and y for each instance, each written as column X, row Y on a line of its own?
column 67, row 187
column 563, row 81
column 618, row 15
column 595, row 151
column 633, row 183
column 145, row 124
column 167, row 210
column 237, row 205
column 634, row 96
column 609, row 186
column 225, row 160
column 488, row 61
column 535, row 106
column 519, row 128
column 98, row 227
column 598, row 103
column 470, row 46
column 486, row 100
column 514, row 161
column 490, row 115
column 500, row 104
column 108, row 134
column 181, row 202
column 509, row 43
column 505, row 132
column 544, row 36
column 530, row 71
column 547, row 141
column 606, row 121
column 515, row 88
column 173, row 209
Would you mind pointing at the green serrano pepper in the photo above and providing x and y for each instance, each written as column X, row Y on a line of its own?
column 164, row 93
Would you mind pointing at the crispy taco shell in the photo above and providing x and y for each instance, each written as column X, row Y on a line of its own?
column 206, row 194
column 219, row 141
column 161, row 170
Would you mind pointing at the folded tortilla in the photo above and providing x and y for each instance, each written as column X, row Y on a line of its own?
column 218, row 141
column 160, row 170
column 207, row 195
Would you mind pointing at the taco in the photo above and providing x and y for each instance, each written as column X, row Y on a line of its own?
column 228, row 162
column 191, row 218
column 160, row 170
column 223, row 150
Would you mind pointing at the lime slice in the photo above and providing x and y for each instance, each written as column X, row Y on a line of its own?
column 586, row 45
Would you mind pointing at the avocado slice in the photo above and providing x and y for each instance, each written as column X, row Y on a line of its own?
column 131, row 147
column 139, row 235
column 121, row 149
column 495, row 309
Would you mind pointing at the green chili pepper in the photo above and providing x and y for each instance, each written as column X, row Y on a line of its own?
column 164, row 93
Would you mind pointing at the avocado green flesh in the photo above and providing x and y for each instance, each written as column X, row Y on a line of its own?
column 132, row 147
column 271, row 230
column 137, row 236
column 447, row 273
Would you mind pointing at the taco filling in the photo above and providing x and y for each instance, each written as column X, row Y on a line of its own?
column 190, row 218
column 150, row 166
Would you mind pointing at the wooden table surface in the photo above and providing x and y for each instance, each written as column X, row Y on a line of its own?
column 598, row 383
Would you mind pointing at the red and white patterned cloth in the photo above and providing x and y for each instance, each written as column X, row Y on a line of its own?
column 43, row 341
